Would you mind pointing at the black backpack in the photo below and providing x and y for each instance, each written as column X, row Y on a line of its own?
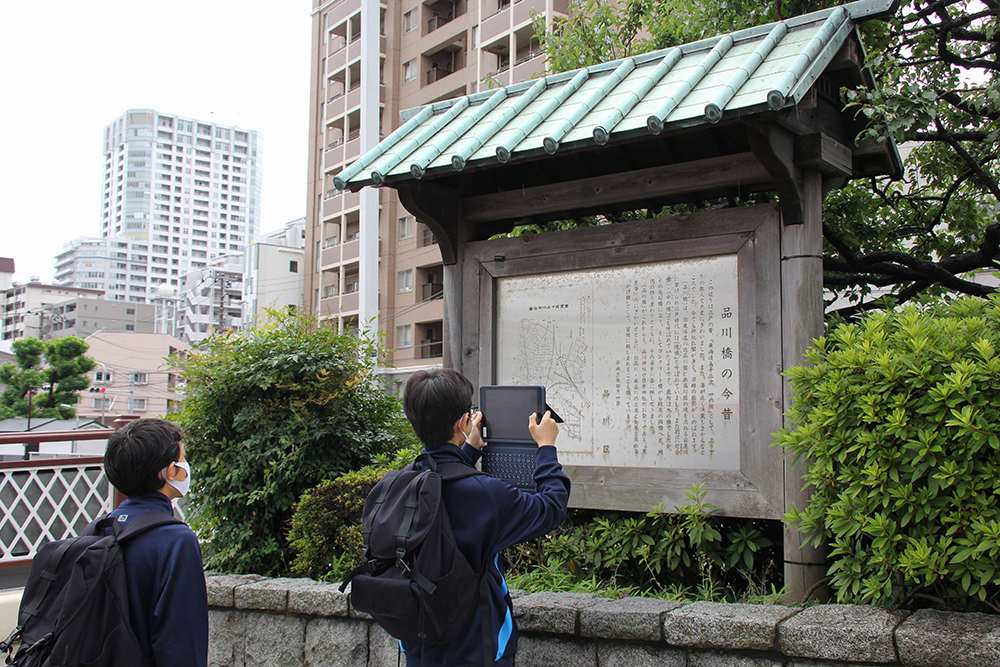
column 413, row 580
column 74, row 610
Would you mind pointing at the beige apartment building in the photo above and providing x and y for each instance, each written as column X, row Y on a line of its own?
column 429, row 51
column 132, row 376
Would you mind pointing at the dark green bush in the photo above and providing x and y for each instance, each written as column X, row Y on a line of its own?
column 898, row 418
column 691, row 552
column 270, row 413
column 326, row 526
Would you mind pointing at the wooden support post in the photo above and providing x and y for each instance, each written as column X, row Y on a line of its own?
column 453, row 312
column 800, row 191
column 802, row 322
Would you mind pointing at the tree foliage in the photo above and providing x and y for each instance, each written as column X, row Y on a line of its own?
column 898, row 418
column 268, row 414
column 54, row 371
column 936, row 66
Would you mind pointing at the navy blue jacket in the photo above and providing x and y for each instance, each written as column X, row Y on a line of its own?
column 168, row 605
column 487, row 516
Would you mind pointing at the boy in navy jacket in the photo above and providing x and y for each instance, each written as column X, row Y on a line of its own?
column 168, row 604
column 487, row 514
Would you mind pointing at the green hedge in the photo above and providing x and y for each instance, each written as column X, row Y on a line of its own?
column 269, row 413
column 898, row 417
column 326, row 526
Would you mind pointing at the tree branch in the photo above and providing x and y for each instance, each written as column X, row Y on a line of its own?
column 956, row 101
column 984, row 178
column 958, row 136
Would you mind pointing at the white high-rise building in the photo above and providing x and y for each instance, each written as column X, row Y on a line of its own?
column 179, row 192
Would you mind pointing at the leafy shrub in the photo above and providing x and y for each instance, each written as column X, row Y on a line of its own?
column 326, row 526
column 657, row 554
column 269, row 413
column 898, row 419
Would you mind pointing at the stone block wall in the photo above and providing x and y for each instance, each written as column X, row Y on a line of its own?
column 257, row 622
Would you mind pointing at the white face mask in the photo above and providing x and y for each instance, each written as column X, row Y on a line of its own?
column 184, row 485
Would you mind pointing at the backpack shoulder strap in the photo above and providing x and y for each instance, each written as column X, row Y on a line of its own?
column 456, row 470
column 49, row 575
column 147, row 521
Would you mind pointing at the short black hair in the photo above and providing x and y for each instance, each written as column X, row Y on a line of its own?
column 433, row 401
column 137, row 453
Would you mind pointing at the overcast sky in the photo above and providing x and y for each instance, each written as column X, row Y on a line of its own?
column 68, row 68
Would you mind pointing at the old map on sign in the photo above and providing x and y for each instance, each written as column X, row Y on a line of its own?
column 642, row 362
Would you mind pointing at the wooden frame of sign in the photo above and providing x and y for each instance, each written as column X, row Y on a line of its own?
column 747, row 483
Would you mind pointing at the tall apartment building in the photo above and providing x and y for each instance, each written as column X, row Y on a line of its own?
column 110, row 264
column 429, row 51
column 178, row 192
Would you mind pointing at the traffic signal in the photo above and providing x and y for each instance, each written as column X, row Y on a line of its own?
column 99, row 390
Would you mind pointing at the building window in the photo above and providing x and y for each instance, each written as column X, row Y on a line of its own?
column 409, row 70
column 404, row 281
column 293, row 266
column 409, row 21
column 406, row 227
column 140, row 378
column 103, row 376
column 102, row 403
column 404, row 337
column 136, row 404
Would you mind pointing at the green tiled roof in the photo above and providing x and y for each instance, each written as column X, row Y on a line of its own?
column 747, row 72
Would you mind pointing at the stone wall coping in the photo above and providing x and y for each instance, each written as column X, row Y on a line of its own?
column 725, row 626
column 820, row 635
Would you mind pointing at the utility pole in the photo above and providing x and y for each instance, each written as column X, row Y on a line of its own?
column 371, row 115
column 30, row 395
column 27, row 447
column 223, row 283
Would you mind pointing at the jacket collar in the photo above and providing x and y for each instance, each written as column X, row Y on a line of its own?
column 447, row 453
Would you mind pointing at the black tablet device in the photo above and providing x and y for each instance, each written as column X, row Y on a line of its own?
column 510, row 450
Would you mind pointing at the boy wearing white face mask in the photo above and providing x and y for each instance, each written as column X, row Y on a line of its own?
column 168, row 605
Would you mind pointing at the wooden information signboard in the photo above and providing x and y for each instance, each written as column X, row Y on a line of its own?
column 659, row 345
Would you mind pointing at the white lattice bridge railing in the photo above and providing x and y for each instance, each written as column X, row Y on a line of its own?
column 49, row 500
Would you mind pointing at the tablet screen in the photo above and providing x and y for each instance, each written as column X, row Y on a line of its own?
column 506, row 410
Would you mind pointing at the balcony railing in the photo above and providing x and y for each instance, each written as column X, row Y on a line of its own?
column 428, row 238
column 437, row 21
column 431, row 290
column 534, row 53
column 437, row 73
column 431, row 348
